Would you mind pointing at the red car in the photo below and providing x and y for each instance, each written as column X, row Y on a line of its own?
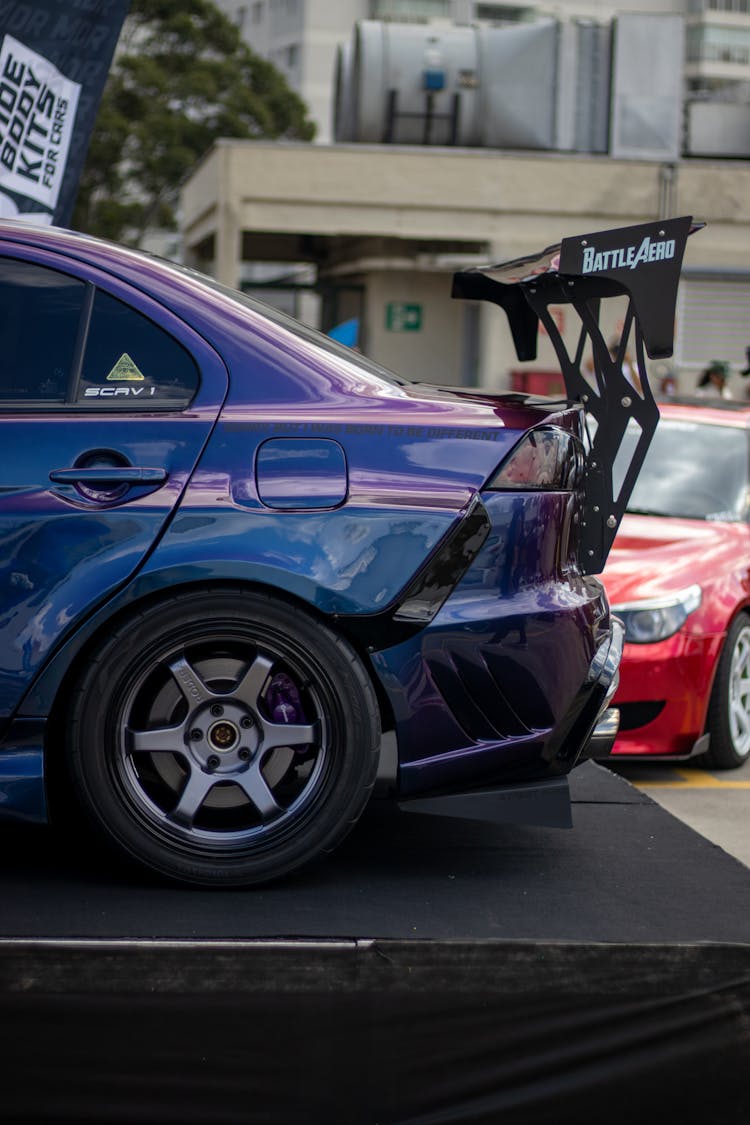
column 678, row 576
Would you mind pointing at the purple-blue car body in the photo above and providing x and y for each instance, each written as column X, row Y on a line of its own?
column 235, row 554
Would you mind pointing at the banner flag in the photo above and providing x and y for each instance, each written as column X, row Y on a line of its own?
column 54, row 60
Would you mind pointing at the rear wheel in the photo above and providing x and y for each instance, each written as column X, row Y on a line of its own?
column 729, row 709
column 224, row 738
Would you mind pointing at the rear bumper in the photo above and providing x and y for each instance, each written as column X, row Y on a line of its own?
column 488, row 697
column 545, row 802
column 603, row 736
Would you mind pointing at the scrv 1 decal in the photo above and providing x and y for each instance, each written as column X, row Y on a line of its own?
column 113, row 392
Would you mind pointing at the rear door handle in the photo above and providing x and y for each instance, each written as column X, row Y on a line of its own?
column 109, row 477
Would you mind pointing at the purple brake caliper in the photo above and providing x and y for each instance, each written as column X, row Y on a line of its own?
column 284, row 703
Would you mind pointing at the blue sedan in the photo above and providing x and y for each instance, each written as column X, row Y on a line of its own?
column 235, row 553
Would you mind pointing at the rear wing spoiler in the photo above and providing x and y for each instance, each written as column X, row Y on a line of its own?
column 641, row 262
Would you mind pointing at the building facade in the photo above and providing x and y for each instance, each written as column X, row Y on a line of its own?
column 368, row 233
column 382, row 228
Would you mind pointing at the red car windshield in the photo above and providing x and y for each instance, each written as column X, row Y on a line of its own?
column 692, row 470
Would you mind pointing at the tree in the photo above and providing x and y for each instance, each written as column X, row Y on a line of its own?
column 181, row 78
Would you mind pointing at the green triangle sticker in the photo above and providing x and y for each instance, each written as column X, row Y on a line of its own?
column 125, row 371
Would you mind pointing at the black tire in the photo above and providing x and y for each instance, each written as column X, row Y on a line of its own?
column 729, row 708
column 224, row 738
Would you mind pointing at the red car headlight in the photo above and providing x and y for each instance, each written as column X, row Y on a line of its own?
column 655, row 619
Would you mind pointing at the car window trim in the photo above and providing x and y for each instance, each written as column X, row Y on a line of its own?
column 84, row 323
column 122, row 289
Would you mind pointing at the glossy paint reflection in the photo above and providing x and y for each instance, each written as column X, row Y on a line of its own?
column 64, row 551
column 480, row 693
column 301, row 473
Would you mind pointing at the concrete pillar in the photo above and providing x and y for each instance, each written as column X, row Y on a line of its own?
column 228, row 233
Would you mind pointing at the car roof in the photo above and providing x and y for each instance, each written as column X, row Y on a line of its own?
column 714, row 412
column 63, row 241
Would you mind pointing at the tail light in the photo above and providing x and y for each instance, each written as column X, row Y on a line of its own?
column 548, row 459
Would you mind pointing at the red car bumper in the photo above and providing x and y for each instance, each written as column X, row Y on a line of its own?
column 664, row 694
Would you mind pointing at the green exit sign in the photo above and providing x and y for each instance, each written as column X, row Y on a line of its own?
column 402, row 317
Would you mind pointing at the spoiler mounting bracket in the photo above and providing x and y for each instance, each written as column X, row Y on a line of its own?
column 643, row 264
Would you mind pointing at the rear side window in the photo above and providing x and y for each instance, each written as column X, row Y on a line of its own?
column 130, row 361
column 40, row 312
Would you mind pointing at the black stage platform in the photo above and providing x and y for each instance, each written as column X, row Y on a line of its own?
column 430, row 971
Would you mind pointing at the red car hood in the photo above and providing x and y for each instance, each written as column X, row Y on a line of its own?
column 654, row 555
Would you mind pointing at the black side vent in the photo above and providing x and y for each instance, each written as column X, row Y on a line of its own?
column 522, row 691
column 462, row 679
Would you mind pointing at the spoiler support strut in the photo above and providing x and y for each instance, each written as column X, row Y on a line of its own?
column 640, row 262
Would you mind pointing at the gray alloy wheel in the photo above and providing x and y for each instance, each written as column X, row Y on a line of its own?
column 729, row 710
column 225, row 738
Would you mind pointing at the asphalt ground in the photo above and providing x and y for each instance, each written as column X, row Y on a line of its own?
column 715, row 803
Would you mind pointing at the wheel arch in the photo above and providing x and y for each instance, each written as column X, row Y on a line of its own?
column 724, row 752
column 184, row 727
column 739, row 610
column 728, row 597
column 49, row 695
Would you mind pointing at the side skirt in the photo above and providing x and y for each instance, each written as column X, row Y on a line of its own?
column 22, row 795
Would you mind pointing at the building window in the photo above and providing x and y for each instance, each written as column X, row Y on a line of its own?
column 719, row 45
column 416, row 11
column 501, row 13
column 727, row 5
